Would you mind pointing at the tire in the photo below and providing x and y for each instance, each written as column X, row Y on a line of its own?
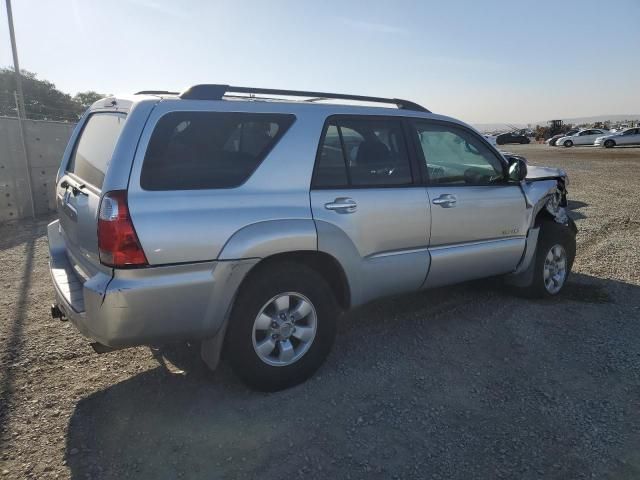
column 246, row 335
column 552, row 235
column 568, row 143
column 609, row 144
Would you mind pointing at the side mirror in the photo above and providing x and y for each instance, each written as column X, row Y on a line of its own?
column 517, row 169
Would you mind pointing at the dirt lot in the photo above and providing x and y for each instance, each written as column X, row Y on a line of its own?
column 462, row 382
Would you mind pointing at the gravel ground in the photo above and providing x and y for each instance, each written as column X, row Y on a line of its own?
column 461, row 382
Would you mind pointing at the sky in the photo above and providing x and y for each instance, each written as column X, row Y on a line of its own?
column 480, row 61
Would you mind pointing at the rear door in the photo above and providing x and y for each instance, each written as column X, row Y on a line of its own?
column 370, row 209
column 80, row 185
column 478, row 221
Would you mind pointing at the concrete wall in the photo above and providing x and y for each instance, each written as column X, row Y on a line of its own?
column 46, row 142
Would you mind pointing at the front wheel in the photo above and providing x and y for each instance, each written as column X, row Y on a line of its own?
column 568, row 143
column 553, row 260
column 282, row 326
column 609, row 144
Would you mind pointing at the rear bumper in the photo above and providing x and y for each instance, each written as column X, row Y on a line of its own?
column 145, row 305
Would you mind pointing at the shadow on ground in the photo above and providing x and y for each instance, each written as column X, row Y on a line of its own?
column 574, row 206
column 464, row 382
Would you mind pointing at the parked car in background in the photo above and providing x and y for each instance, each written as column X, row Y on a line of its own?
column 584, row 137
column 630, row 136
column 552, row 141
column 512, row 137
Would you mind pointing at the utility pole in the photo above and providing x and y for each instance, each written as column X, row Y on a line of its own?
column 27, row 163
column 22, row 113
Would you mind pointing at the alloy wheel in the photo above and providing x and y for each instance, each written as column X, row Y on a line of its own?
column 284, row 329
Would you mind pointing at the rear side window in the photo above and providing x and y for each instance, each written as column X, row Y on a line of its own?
column 94, row 149
column 206, row 150
column 363, row 152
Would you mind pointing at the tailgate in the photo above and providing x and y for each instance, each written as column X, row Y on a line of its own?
column 79, row 189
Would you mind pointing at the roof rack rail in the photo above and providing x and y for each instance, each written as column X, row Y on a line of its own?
column 216, row 92
column 156, row 92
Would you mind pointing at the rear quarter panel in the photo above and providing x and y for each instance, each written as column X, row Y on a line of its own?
column 195, row 225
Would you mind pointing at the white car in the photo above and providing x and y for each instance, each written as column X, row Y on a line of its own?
column 491, row 139
column 584, row 137
column 630, row 136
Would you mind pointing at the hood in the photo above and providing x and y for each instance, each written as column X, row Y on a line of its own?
column 543, row 173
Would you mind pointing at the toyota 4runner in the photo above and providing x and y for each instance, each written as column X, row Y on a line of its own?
column 248, row 219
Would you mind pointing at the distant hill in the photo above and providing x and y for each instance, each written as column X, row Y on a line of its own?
column 490, row 127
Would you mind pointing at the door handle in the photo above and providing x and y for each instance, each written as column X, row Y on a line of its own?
column 342, row 205
column 445, row 200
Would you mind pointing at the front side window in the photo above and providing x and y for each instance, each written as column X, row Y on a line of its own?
column 363, row 152
column 207, row 150
column 454, row 156
column 94, row 149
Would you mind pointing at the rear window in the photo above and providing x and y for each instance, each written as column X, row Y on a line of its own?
column 94, row 149
column 205, row 150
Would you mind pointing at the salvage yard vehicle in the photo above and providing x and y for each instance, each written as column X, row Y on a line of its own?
column 512, row 137
column 249, row 218
column 552, row 141
column 630, row 136
column 584, row 137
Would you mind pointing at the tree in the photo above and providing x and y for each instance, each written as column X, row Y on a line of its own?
column 42, row 100
column 86, row 99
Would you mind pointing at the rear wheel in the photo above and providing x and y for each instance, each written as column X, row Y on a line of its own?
column 609, row 144
column 568, row 143
column 282, row 327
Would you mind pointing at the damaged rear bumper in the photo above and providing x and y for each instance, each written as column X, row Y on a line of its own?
column 145, row 305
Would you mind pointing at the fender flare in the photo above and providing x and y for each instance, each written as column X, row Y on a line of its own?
column 263, row 239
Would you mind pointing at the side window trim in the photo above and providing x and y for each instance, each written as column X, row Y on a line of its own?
column 335, row 120
column 344, row 153
column 413, row 121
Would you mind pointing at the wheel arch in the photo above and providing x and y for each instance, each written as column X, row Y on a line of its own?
column 323, row 263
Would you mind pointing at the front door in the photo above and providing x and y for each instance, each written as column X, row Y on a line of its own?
column 369, row 208
column 478, row 221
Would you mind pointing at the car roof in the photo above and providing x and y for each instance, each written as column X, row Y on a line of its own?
column 260, row 104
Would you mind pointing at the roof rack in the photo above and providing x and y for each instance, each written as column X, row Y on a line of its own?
column 156, row 92
column 216, row 92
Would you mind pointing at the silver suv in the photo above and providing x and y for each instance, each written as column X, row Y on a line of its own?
column 250, row 219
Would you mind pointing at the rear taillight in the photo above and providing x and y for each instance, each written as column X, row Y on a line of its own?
column 117, row 240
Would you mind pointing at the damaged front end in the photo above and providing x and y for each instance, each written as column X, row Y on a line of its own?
column 557, row 203
column 546, row 189
column 545, row 193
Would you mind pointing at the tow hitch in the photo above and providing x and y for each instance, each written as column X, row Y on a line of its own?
column 57, row 313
